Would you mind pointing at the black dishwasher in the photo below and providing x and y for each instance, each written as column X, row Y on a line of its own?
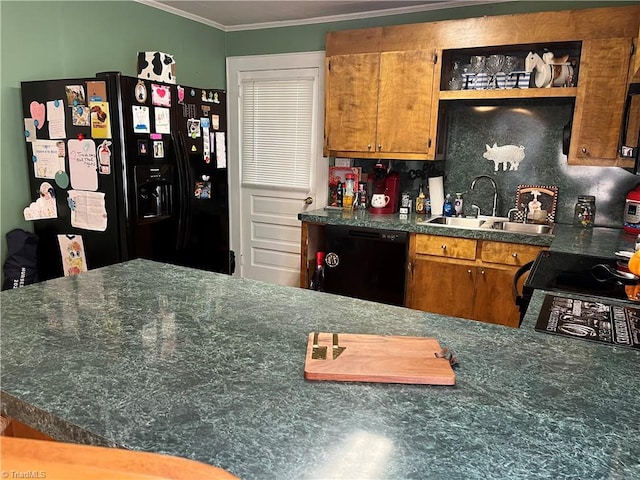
column 366, row 263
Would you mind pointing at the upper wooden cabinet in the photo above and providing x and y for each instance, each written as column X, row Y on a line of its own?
column 383, row 90
column 379, row 104
column 352, row 102
column 600, row 99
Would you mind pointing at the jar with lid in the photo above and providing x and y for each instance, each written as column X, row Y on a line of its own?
column 455, row 77
column 585, row 211
column 349, row 191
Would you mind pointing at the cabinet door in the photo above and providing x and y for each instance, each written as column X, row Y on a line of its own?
column 441, row 287
column 493, row 300
column 351, row 102
column 602, row 82
column 404, row 101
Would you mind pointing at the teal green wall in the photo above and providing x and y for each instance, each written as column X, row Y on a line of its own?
column 311, row 37
column 46, row 40
column 41, row 40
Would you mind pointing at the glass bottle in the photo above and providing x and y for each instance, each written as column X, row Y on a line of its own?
column 447, row 208
column 584, row 214
column 456, row 81
column 349, row 191
column 420, row 201
column 457, row 204
column 317, row 280
column 363, row 200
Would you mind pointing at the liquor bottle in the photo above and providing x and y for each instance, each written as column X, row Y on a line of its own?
column 317, row 280
column 349, row 192
column 340, row 192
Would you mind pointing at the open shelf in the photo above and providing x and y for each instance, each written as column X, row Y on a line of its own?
column 553, row 92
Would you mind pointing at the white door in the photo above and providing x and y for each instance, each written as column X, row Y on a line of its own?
column 276, row 164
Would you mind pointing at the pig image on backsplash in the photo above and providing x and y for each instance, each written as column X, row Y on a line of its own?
column 506, row 154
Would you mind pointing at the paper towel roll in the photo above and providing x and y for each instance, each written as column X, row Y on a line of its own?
column 436, row 193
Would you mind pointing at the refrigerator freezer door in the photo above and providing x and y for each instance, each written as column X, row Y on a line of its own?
column 150, row 184
column 205, row 231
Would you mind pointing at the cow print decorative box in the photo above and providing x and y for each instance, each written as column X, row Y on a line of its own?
column 157, row 66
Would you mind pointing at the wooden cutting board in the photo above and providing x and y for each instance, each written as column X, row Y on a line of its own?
column 378, row 358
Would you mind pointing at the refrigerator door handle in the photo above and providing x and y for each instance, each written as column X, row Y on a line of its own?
column 182, row 194
column 186, row 182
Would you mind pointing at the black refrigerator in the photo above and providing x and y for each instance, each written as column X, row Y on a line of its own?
column 122, row 168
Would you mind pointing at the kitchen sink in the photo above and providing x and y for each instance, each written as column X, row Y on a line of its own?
column 493, row 223
column 526, row 228
column 458, row 221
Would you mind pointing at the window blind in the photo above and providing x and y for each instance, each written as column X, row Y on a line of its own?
column 276, row 132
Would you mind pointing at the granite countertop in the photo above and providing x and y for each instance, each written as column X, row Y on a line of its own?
column 598, row 241
column 210, row 367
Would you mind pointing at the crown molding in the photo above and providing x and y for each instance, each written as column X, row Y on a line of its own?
column 326, row 19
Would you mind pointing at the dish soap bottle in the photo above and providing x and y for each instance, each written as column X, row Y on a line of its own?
column 447, row 208
column 457, row 205
column 420, row 202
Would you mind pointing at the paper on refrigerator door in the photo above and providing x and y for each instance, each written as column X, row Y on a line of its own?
column 72, row 253
column 56, row 117
column 48, row 158
column 221, row 150
column 163, row 122
column 30, row 134
column 206, row 145
column 87, row 210
column 140, row 119
column 83, row 164
column 44, row 206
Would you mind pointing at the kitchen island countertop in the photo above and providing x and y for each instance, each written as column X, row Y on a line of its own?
column 206, row 366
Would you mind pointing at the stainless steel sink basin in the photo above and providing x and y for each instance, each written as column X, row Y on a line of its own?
column 492, row 223
column 458, row 221
column 526, row 228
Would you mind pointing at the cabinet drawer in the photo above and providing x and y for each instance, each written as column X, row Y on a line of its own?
column 448, row 247
column 508, row 253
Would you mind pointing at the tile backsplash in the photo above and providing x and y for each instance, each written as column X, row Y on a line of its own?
column 539, row 128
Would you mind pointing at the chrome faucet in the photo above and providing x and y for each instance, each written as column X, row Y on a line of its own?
column 495, row 191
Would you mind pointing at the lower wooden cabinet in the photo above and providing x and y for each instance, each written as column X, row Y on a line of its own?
column 455, row 282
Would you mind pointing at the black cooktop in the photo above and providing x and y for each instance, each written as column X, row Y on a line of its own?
column 590, row 320
column 569, row 272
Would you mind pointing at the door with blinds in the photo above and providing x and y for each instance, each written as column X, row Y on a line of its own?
column 279, row 141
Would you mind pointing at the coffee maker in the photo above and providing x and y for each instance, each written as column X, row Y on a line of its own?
column 386, row 183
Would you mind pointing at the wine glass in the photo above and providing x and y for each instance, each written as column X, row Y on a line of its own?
column 477, row 63
column 510, row 65
column 455, row 79
column 494, row 66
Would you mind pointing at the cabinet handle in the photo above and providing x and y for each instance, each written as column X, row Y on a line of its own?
column 443, row 246
column 481, row 272
column 584, row 150
column 469, row 271
column 369, row 146
column 514, row 255
column 379, row 147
